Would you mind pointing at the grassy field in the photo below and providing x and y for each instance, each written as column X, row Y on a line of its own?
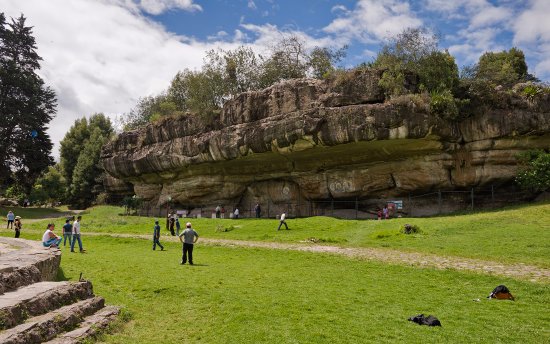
column 236, row 295
column 515, row 235
column 33, row 213
column 247, row 295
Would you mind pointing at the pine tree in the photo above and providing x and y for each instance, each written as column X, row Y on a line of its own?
column 26, row 107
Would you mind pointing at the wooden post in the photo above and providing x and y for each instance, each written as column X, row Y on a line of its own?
column 356, row 209
column 493, row 195
column 410, row 205
column 439, row 200
column 472, row 195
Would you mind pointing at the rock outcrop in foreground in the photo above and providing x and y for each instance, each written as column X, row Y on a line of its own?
column 318, row 140
column 35, row 309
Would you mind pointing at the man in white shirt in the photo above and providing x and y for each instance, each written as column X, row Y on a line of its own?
column 50, row 239
column 190, row 237
column 76, row 235
column 282, row 221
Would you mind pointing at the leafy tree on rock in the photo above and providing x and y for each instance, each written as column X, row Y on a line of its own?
column 26, row 107
column 416, row 50
column 502, row 68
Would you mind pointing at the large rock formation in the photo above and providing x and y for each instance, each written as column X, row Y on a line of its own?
column 308, row 139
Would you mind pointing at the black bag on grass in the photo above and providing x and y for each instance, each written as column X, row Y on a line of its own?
column 430, row 320
column 501, row 292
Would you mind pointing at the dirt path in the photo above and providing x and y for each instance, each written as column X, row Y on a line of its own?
column 518, row 270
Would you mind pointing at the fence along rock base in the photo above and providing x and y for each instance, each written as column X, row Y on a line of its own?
column 36, row 309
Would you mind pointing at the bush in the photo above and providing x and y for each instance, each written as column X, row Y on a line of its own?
column 443, row 104
column 410, row 229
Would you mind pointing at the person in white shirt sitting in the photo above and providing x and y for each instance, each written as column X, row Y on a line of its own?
column 50, row 239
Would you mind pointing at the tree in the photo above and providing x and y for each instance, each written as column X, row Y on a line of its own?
column 80, row 153
column 535, row 171
column 26, row 107
column 49, row 187
column 288, row 60
column 322, row 61
column 503, row 68
column 416, row 51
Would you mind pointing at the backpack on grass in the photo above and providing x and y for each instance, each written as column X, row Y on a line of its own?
column 501, row 293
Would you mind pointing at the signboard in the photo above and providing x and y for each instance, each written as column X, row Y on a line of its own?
column 181, row 213
column 397, row 204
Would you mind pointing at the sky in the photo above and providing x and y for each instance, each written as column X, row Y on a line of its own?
column 101, row 56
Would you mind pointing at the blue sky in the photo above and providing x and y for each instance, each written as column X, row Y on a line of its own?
column 102, row 55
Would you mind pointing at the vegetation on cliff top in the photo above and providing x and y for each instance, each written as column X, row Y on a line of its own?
column 411, row 63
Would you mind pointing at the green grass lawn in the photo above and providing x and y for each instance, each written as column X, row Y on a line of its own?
column 33, row 213
column 515, row 235
column 237, row 295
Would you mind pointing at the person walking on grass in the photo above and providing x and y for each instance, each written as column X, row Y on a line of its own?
column 50, row 239
column 156, row 237
column 67, row 232
column 282, row 221
column 18, row 226
column 11, row 218
column 190, row 237
column 76, row 235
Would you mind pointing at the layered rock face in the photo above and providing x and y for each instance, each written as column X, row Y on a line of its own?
column 317, row 140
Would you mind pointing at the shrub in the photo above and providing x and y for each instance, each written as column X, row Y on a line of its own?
column 443, row 104
column 410, row 229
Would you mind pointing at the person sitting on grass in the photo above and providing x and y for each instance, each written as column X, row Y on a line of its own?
column 50, row 239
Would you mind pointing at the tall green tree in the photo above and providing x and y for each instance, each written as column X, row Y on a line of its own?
column 27, row 105
column 80, row 152
column 502, row 68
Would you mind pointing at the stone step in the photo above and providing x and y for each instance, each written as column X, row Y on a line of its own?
column 45, row 327
column 91, row 327
column 39, row 298
column 27, row 262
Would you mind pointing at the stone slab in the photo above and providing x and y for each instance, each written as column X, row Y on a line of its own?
column 46, row 327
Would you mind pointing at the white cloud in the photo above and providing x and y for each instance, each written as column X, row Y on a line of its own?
column 532, row 34
column 101, row 57
column 533, row 24
column 157, row 7
column 489, row 16
column 373, row 20
column 252, row 5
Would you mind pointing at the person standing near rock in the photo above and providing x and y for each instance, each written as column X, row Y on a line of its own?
column 223, row 212
column 76, row 235
column 11, row 218
column 171, row 222
column 18, row 226
column 190, row 237
column 258, row 210
column 178, row 227
column 67, row 232
column 236, row 213
column 50, row 239
column 156, row 237
column 282, row 221
column 218, row 211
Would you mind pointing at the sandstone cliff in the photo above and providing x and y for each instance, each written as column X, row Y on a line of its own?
column 320, row 140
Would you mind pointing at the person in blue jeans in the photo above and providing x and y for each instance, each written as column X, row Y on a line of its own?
column 50, row 239
column 76, row 235
column 156, row 237
column 67, row 232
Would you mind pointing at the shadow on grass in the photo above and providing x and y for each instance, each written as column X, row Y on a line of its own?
column 61, row 275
